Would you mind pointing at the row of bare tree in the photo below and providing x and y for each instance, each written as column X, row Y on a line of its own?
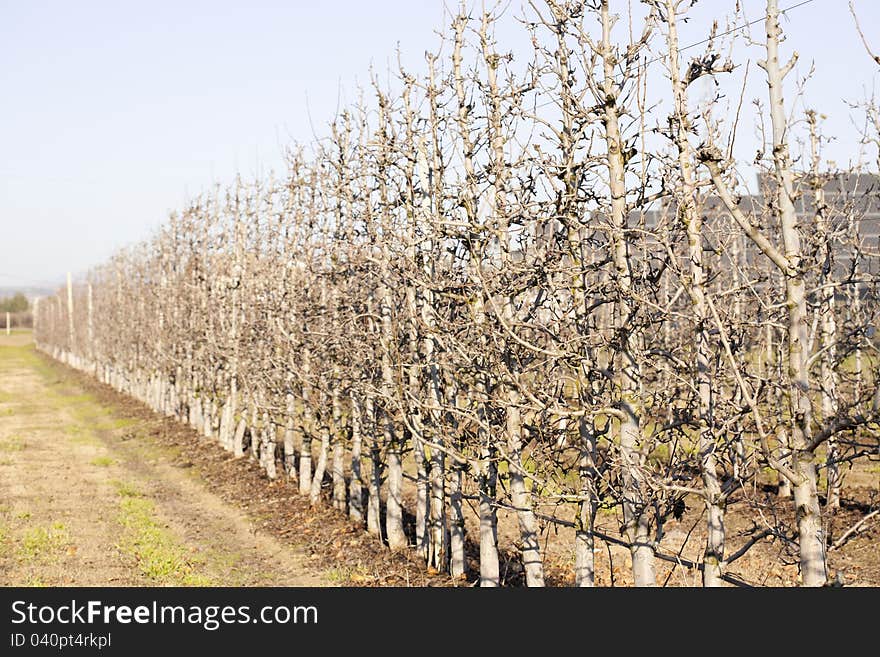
column 524, row 290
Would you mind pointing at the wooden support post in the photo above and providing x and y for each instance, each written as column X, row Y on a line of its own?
column 70, row 312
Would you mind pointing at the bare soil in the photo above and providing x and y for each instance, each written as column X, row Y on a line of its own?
column 68, row 462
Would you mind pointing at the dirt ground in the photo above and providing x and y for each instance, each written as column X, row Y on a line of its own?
column 83, row 503
column 97, row 489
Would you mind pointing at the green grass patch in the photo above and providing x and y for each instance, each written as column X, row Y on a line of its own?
column 608, row 506
column 102, row 461
column 119, row 423
column 870, row 361
column 38, row 542
column 27, row 355
column 125, row 489
column 12, row 444
column 159, row 557
column 82, row 398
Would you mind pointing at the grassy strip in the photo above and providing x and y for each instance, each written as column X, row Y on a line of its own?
column 38, row 542
column 159, row 557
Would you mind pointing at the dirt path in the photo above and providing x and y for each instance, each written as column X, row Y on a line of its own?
column 81, row 504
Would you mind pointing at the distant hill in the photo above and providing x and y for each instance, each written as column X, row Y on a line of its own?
column 30, row 291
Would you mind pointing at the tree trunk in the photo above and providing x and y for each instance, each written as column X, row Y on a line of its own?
column 490, row 573
column 255, row 452
column 457, row 563
column 289, row 451
column 828, row 325
column 810, row 534
column 584, row 547
column 486, row 467
column 394, row 502
column 713, row 557
column 267, row 452
column 419, row 459
column 337, row 468
column 375, row 482
column 238, row 438
column 457, row 566
column 528, row 524
column 223, row 434
column 355, row 496
column 321, row 465
column 636, row 517
column 439, row 537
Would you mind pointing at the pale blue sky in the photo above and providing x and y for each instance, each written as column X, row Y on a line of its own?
column 113, row 113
